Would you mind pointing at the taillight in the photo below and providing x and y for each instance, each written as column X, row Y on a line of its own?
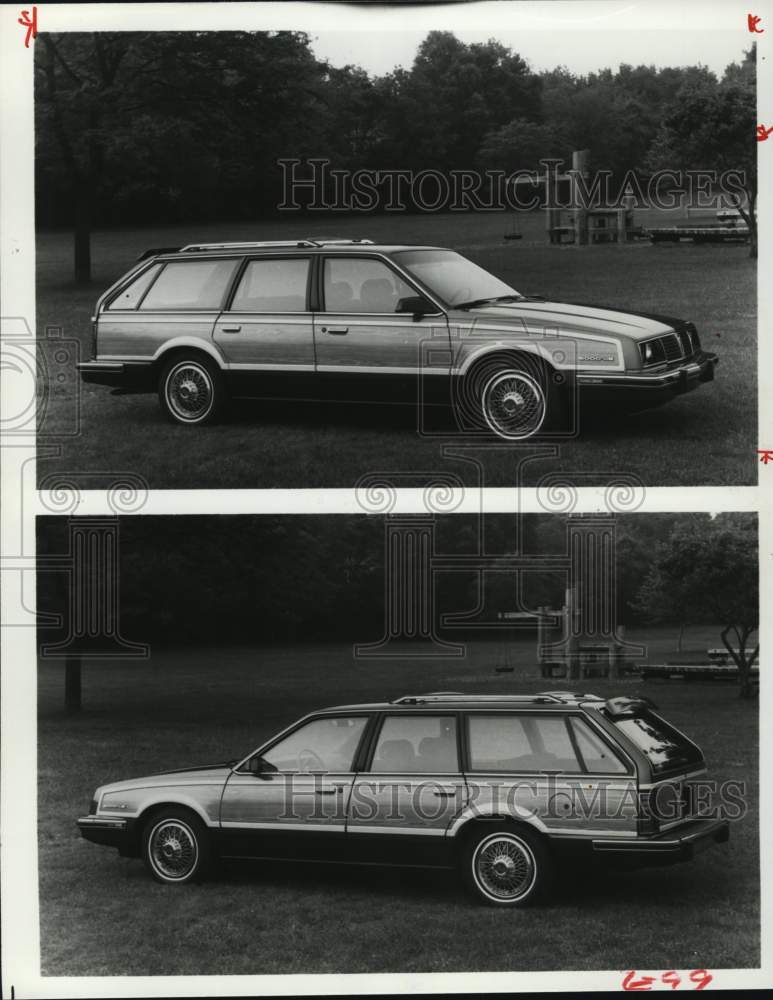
column 92, row 807
column 647, row 822
column 93, row 336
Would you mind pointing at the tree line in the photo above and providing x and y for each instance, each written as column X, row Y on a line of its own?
column 159, row 127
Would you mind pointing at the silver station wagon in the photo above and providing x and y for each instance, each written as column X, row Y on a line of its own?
column 500, row 789
column 349, row 319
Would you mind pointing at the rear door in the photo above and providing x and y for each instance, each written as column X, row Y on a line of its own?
column 267, row 326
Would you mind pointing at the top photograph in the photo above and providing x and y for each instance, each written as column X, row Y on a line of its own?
column 288, row 259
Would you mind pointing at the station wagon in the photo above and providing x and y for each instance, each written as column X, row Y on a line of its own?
column 500, row 789
column 350, row 319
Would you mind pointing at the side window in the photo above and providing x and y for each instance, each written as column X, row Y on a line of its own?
column 273, row 286
column 358, row 285
column 129, row 298
column 190, row 284
column 321, row 745
column 520, row 743
column 598, row 757
column 417, row 745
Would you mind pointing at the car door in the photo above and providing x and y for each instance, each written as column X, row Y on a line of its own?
column 410, row 789
column 300, row 792
column 359, row 330
column 267, row 326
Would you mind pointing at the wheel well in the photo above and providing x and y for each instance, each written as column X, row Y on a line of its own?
column 147, row 815
column 505, row 357
column 478, row 824
column 182, row 352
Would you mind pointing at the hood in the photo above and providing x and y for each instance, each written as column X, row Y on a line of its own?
column 207, row 774
column 569, row 318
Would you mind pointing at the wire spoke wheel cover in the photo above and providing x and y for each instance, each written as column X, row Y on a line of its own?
column 504, row 868
column 189, row 391
column 514, row 405
column 173, row 850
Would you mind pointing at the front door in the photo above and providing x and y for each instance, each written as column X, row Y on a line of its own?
column 297, row 801
column 360, row 332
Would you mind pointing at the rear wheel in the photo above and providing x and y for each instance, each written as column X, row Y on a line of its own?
column 506, row 866
column 175, row 847
column 191, row 390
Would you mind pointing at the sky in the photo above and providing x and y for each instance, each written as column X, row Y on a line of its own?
column 378, row 52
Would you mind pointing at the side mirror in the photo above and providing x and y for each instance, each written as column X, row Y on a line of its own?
column 259, row 767
column 415, row 304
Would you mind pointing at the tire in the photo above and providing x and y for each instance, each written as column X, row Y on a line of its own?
column 175, row 847
column 506, row 865
column 191, row 390
column 513, row 400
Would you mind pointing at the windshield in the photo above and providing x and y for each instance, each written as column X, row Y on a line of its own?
column 664, row 747
column 455, row 280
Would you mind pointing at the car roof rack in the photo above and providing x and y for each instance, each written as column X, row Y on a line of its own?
column 453, row 696
column 270, row 244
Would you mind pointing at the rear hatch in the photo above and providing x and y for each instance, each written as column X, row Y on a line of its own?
column 667, row 798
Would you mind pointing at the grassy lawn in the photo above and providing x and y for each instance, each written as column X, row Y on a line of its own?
column 102, row 915
column 706, row 437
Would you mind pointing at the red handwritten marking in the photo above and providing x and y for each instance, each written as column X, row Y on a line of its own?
column 753, row 21
column 645, row 983
column 766, row 455
column 700, row 977
column 763, row 133
column 30, row 23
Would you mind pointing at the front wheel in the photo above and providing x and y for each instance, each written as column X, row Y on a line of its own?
column 506, row 867
column 191, row 390
column 514, row 404
column 175, row 847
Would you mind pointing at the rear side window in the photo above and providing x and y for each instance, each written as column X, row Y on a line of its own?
column 598, row 757
column 665, row 748
column 416, row 745
column 272, row 286
column 190, row 284
column 520, row 743
column 358, row 285
column 130, row 297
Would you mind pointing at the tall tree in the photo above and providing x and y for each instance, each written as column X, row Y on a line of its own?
column 710, row 575
column 714, row 127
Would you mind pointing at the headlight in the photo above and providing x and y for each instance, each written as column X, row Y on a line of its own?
column 652, row 352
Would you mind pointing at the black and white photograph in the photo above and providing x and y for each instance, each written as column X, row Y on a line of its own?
column 386, row 514
column 366, row 748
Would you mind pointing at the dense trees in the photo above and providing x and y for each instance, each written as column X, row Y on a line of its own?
column 159, row 127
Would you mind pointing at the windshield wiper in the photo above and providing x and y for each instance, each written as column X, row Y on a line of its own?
column 484, row 302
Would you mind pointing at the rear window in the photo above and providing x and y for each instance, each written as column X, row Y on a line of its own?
column 664, row 747
column 190, row 284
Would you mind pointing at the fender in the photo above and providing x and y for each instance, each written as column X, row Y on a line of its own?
column 178, row 800
column 487, row 811
column 559, row 352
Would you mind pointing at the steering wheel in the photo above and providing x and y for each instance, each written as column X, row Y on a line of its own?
column 307, row 758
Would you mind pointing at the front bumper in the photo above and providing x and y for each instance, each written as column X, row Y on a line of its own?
column 109, row 831
column 666, row 848
column 665, row 383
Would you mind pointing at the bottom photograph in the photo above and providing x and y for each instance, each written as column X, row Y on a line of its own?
column 397, row 743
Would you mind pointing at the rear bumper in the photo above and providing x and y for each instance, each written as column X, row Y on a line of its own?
column 649, row 387
column 119, row 374
column 667, row 848
column 108, row 832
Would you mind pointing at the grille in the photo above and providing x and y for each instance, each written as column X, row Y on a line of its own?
column 672, row 347
column 685, row 342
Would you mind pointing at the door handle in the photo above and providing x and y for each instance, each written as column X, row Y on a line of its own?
column 445, row 795
column 230, row 329
column 328, row 791
column 338, row 331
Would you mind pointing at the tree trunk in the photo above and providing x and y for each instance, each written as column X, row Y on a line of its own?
column 72, row 685
column 741, row 660
column 82, row 237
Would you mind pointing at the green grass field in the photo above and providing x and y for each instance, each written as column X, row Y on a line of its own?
column 103, row 915
column 707, row 437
